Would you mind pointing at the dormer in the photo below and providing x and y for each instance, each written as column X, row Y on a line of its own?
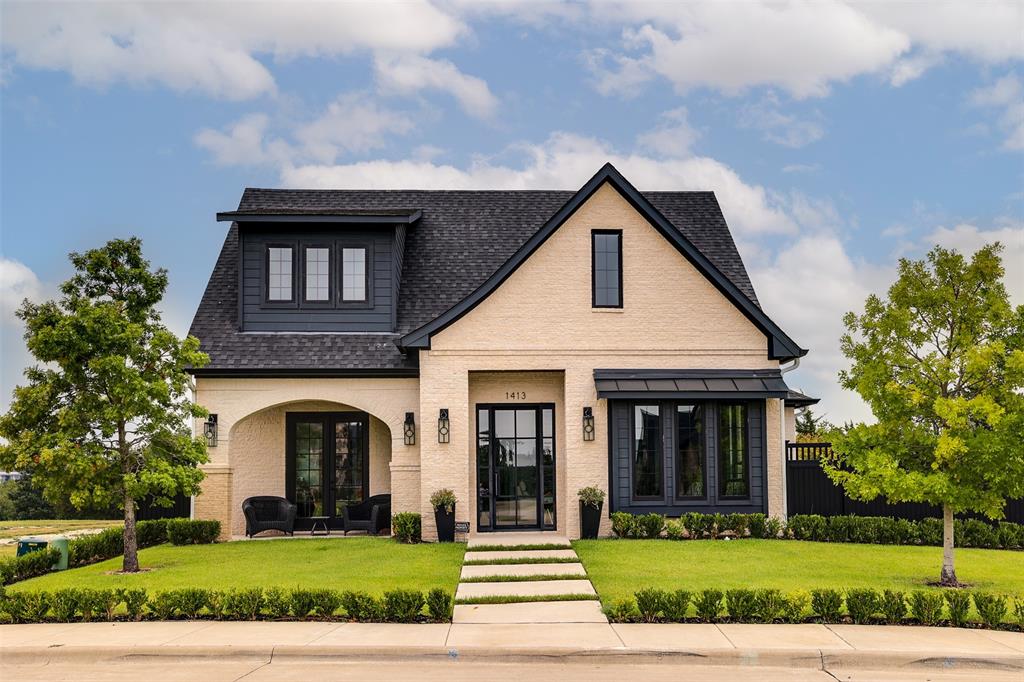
column 310, row 270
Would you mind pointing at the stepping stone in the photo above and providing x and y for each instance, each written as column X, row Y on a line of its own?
column 569, row 570
column 522, row 554
column 512, row 539
column 530, row 612
column 534, row 588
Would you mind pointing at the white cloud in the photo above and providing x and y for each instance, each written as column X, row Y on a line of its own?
column 800, row 46
column 212, row 47
column 784, row 129
column 673, row 135
column 352, row 123
column 564, row 161
column 406, row 74
column 1007, row 95
column 801, row 168
column 17, row 282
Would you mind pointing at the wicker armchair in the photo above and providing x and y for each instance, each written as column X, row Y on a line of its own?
column 268, row 513
column 372, row 515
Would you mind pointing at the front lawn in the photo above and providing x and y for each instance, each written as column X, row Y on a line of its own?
column 359, row 563
column 618, row 568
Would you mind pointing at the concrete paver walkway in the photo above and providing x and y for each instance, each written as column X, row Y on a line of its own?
column 572, row 579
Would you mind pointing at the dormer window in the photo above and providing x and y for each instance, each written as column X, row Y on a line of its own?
column 318, row 273
column 279, row 274
column 353, row 274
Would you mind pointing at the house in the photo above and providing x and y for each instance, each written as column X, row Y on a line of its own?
column 514, row 346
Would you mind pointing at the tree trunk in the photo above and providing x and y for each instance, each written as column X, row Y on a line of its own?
column 131, row 542
column 948, row 577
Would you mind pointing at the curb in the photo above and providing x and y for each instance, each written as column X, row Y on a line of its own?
column 798, row 659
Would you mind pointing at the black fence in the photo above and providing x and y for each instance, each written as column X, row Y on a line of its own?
column 810, row 491
column 181, row 508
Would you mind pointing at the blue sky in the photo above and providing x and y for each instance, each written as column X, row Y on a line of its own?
column 838, row 136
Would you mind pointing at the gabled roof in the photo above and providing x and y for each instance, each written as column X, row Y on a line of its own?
column 780, row 346
column 460, row 240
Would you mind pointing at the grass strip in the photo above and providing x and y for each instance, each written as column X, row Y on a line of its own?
column 523, row 578
column 521, row 560
column 516, row 548
column 519, row 599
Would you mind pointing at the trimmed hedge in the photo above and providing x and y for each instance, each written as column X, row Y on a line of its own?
column 109, row 543
column 879, row 530
column 862, row 605
column 74, row 604
column 407, row 527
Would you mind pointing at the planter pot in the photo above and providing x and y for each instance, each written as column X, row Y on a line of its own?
column 445, row 524
column 590, row 520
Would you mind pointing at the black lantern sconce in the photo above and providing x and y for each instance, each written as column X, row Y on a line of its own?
column 210, row 431
column 443, row 427
column 588, row 423
column 410, row 429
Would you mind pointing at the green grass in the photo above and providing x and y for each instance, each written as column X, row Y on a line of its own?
column 510, row 562
column 521, row 578
column 11, row 530
column 369, row 564
column 618, row 568
column 515, row 548
column 518, row 599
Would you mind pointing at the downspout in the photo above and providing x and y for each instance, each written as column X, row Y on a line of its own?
column 782, row 437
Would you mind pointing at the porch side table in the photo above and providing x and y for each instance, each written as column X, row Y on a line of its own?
column 319, row 521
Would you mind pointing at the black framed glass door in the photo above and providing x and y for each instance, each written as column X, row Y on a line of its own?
column 515, row 467
column 327, row 463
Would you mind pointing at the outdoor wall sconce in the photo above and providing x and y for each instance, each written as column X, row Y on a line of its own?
column 443, row 426
column 210, row 431
column 588, row 423
column 410, row 429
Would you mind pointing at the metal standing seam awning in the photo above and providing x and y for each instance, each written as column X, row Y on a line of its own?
column 689, row 384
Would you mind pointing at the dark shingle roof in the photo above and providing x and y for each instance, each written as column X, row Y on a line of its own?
column 462, row 237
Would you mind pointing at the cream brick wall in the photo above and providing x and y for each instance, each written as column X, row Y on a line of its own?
column 214, row 503
column 776, row 464
column 541, row 319
column 790, row 424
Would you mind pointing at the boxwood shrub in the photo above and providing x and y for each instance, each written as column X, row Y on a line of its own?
column 192, row 531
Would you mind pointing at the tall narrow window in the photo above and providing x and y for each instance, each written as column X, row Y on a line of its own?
column 690, row 452
column 279, row 273
column 318, row 276
column 606, row 268
column 733, row 461
column 647, row 455
column 353, row 274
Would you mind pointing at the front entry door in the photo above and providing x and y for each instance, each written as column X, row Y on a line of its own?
column 327, row 463
column 515, row 467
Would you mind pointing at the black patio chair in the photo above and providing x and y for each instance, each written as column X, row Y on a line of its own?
column 372, row 515
column 266, row 512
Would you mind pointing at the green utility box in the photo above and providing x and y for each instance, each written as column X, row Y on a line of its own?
column 60, row 543
column 26, row 545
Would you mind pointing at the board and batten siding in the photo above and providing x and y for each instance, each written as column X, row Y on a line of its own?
column 621, row 446
column 375, row 316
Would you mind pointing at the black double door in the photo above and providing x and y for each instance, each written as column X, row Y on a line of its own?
column 515, row 467
column 327, row 463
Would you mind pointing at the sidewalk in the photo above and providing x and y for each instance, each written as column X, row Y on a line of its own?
column 809, row 646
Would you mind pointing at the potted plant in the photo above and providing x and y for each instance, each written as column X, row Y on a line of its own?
column 591, row 501
column 443, row 501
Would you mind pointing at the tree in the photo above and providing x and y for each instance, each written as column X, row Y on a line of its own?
column 106, row 417
column 941, row 364
column 809, row 429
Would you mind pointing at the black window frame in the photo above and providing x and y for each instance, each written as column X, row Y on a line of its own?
column 703, row 438
column 329, row 301
column 720, row 452
column 663, row 496
column 593, row 268
column 279, row 302
column 339, row 258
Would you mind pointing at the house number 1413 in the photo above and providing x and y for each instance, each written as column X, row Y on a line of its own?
column 515, row 395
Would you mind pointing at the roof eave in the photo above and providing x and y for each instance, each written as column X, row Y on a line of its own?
column 243, row 217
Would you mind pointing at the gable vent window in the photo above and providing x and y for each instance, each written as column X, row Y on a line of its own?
column 606, row 268
column 279, row 273
column 318, row 280
column 353, row 274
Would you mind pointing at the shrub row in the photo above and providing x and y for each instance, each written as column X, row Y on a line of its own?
column 109, row 543
column 864, row 529
column 863, row 605
column 74, row 604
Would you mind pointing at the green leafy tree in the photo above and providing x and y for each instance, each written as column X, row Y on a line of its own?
column 810, row 429
column 106, row 417
column 941, row 364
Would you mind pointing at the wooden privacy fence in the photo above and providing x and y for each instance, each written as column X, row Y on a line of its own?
column 810, row 491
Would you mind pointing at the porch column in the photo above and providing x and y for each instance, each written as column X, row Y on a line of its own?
column 776, row 459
